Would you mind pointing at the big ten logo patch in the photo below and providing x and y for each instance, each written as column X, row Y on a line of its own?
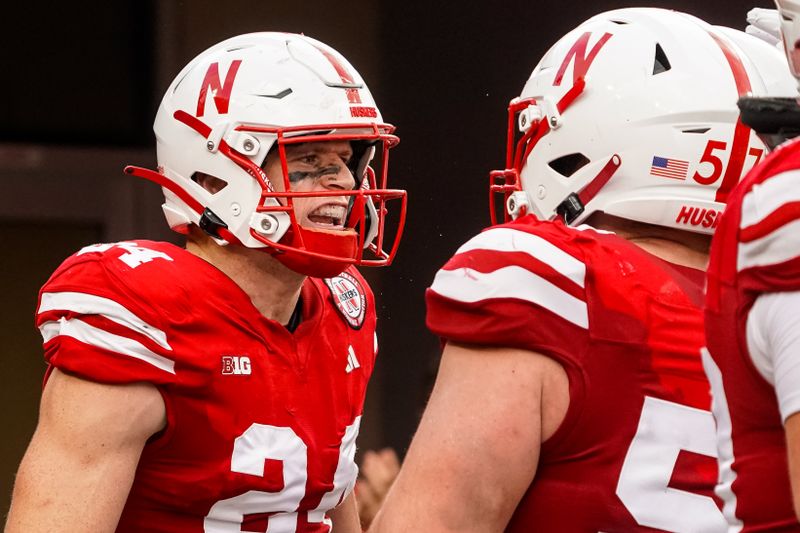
column 348, row 295
column 236, row 365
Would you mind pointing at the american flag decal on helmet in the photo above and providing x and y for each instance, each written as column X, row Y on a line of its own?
column 669, row 168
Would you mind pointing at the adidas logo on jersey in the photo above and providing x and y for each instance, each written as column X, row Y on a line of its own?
column 236, row 365
column 352, row 362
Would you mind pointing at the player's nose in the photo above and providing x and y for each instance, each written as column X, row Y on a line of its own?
column 342, row 179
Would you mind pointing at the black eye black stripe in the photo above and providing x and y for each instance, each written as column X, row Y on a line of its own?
column 299, row 175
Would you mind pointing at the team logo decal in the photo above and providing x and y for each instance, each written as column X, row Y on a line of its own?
column 349, row 297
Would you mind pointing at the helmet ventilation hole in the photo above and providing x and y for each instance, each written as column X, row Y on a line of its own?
column 210, row 183
column 569, row 164
column 661, row 63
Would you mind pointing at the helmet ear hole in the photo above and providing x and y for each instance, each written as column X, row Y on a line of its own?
column 210, row 183
column 569, row 164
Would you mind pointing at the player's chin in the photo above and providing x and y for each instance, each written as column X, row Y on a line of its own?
column 333, row 229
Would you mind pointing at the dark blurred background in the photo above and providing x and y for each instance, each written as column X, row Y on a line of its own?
column 80, row 85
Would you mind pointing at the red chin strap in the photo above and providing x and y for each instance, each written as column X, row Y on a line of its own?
column 328, row 246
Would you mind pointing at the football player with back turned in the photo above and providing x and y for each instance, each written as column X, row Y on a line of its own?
column 571, row 395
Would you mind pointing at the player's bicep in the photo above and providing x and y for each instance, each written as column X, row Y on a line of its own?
column 792, row 426
column 485, row 420
column 345, row 516
column 78, row 469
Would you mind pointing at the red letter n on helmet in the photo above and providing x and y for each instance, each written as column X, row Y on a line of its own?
column 221, row 93
column 582, row 61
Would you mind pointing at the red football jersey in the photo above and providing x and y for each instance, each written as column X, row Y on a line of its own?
column 756, row 249
column 636, row 449
column 261, row 422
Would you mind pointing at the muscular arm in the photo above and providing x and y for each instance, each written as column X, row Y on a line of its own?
column 792, row 426
column 773, row 340
column 79, row 466
column 477, row 447
column 345, row 516
column 787, row 380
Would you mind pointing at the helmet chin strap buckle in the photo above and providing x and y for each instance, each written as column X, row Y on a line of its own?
column 570, row 209
column 211, row 223
column 575, row 204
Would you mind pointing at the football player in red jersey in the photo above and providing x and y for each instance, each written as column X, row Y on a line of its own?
column 571, row 394
column 220, row 387
column 753, row 323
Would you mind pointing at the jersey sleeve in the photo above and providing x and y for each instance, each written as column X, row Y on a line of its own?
column 511, row 286
column 773, row 341
column 768, row 251
column 104, row 321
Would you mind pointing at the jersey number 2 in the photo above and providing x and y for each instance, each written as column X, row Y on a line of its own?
column 666, row 428
column 261, row 442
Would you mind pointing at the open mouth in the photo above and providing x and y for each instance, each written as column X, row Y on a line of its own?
column 329, row 216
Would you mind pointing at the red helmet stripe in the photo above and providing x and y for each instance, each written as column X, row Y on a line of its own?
column 741, row 135
column 737, row 67
column 352, row 94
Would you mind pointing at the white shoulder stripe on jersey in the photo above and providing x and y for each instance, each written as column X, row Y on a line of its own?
column 467, row 285
column 768, row 196
column 772, row 249
column 510, row 240
column 88, row 334
column 89, row 304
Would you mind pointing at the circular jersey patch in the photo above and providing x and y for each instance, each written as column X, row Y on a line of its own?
column 349, row 297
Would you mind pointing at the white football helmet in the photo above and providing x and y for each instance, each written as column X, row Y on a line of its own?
column 256, row 93
column 789, row 11
column 634, row 114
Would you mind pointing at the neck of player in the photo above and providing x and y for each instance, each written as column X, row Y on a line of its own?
column 273, row 288
column 678, row 247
